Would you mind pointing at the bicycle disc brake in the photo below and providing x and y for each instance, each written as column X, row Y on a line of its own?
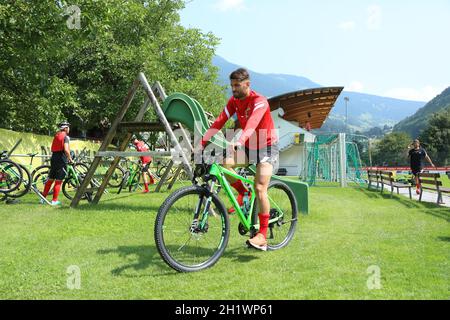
column 242, row 230
column 274, row 214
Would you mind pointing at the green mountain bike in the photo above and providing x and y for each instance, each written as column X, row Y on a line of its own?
column 132, row 177
column 192, row 226
column 74, row 178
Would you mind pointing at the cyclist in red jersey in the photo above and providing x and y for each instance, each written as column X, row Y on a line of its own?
column 258, row 140
column 60, row 157
column 146, row 160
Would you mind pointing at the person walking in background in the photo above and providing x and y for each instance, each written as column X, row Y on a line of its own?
column 146, row 160
column 417, row 154
column 58, row 163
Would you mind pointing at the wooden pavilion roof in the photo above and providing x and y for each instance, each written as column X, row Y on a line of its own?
column 313, row 105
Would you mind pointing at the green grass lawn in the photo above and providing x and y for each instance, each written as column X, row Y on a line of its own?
column 347, row 232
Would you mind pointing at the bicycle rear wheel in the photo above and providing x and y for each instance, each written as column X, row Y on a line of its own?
column 10, row 176
column 283, row 207
column 182, row 241
column 71, row 184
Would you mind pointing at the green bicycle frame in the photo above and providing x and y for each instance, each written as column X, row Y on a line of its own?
column 72, row 175
column 219, row 173
column 134, row 170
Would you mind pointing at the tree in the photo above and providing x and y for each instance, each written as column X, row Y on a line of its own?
column 436, row 138
column 392, row 150
column 52, row 72
column 30, row 95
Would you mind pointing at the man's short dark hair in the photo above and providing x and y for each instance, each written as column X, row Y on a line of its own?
column 240, row 74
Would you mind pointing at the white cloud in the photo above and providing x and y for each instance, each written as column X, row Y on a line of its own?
column 347, row 25
column 375, row 17
column 423, row 94
column 355, row 86
column 230, row 5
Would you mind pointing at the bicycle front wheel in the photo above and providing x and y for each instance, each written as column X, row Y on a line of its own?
column 187, row 244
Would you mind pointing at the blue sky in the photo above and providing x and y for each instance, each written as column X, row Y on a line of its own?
column 395, row 48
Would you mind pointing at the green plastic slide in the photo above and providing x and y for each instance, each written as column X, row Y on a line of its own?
column 181, row 108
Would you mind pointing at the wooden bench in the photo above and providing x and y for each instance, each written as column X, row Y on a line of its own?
column 431, row 181
column 373, row 177
column 387, row 178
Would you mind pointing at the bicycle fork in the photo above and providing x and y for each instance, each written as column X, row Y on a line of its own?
column 201, row 225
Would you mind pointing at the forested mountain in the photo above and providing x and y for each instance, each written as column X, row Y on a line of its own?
column 418, row 122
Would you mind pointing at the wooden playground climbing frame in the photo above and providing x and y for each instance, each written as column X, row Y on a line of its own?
column 137, row 126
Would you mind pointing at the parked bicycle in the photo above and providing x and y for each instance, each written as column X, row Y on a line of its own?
column 162, row 166
column 132, row 176
column 75, row 174
column 11, row 174
column 74, row 177
column 27, row 181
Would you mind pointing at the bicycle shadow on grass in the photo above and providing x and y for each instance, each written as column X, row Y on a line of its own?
column 145, row 256
column 241, row 254
column 108, row 207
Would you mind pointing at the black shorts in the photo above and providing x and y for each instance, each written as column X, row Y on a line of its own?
column 415, row 171
column 269, row 154
column 145, row 167
column 58, row 165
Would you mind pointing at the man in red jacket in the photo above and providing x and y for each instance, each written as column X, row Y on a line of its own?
column 258, row 141
column 146, row 160
column 60, row 157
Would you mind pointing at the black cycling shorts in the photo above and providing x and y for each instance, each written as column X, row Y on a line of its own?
column 146, row 167
column 58, row 165
column 269, row 154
